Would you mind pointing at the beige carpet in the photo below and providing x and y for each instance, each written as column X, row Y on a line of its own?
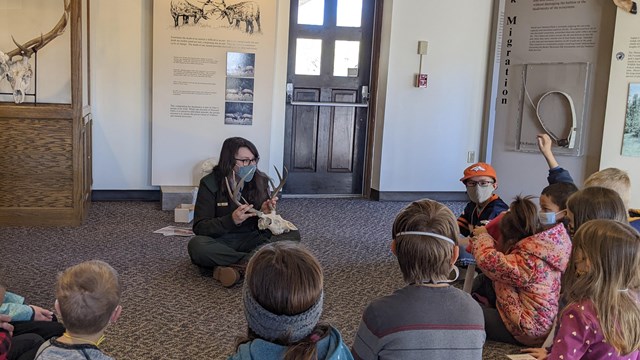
column 169, row 310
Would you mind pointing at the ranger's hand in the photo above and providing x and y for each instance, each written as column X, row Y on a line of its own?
column 242, row 213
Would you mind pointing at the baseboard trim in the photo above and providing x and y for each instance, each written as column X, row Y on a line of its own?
column 126, row 195
column 417, row 195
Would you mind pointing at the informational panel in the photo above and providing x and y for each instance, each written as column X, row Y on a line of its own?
column 212, row 78
column 545, row 72
column 621, row 136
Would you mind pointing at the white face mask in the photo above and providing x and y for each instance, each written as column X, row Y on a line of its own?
column 479, row 194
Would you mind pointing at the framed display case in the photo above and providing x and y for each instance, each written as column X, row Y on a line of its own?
column 45, row 141
column 553, row 101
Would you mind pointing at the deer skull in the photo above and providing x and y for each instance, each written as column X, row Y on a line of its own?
column 18, row 72
column 275, row 223
column 272, row 221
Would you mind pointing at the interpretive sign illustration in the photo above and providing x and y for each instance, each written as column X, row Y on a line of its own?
column 631, row 139
column 246, row 13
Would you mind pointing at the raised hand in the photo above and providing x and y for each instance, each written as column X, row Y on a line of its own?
column 544, row 144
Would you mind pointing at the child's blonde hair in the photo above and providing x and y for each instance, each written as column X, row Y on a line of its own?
column 612, row 249
column 521, row 221
column 424, row 258
column 286, row 279
column 87, row 295
column 614, row 179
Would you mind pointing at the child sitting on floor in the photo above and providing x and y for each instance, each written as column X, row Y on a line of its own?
column 283, row 296
column 481, row 182
column 31, row 325
column 525, row 273
column 87, row 298
column 602, row 318
column 427, row 318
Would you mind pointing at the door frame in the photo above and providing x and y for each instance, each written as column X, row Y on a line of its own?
column 373, row 97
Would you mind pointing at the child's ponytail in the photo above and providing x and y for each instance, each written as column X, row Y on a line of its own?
column 307, row 349
column 521, row 221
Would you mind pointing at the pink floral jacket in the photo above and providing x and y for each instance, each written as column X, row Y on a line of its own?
column 526, row 280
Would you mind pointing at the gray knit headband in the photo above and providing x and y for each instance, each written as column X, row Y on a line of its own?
column 271, row 327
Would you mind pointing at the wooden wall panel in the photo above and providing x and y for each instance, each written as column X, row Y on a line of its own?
column 36, row 163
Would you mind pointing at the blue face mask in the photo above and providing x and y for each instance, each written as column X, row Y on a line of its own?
column 548, row 218
column 247, row 171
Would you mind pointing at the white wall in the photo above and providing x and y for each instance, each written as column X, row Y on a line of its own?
column 626, row 26
column 423, row 135
column 121, row 94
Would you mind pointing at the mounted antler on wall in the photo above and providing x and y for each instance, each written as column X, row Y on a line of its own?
column 627, row 5
column 18, row 72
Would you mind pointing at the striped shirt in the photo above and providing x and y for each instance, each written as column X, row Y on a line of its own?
column 420, row 322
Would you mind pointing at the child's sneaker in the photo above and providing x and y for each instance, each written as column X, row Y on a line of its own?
column 227, row 276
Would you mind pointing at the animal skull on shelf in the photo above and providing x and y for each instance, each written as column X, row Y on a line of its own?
column 18, row 72
column 272, row 221
column 627, row 5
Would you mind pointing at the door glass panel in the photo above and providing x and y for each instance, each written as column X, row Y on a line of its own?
column 311, row 12
column 308, row 52
column 345, row 62
column 349, row 13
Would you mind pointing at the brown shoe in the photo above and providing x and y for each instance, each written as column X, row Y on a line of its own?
column 241, row 267
column 227, row 276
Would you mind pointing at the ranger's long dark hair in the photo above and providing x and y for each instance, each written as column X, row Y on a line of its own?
column 255, row 191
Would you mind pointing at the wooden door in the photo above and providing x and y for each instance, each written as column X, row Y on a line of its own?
column 328, row 78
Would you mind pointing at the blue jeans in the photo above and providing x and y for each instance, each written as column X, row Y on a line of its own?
column 465, row 258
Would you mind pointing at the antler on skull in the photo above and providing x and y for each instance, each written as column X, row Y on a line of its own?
column 272, row 221
column 32, row 46
column 276, row 189
column 18, row 72
column 234, row 192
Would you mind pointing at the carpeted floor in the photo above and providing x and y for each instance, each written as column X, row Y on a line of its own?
column 169, row 310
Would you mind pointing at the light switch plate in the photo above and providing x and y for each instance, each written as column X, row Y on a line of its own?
column 422, row 47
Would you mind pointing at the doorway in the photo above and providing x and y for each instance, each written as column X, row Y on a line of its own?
column 328, row 75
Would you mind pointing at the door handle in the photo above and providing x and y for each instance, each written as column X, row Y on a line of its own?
column 364, row 104
column 327, row 103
